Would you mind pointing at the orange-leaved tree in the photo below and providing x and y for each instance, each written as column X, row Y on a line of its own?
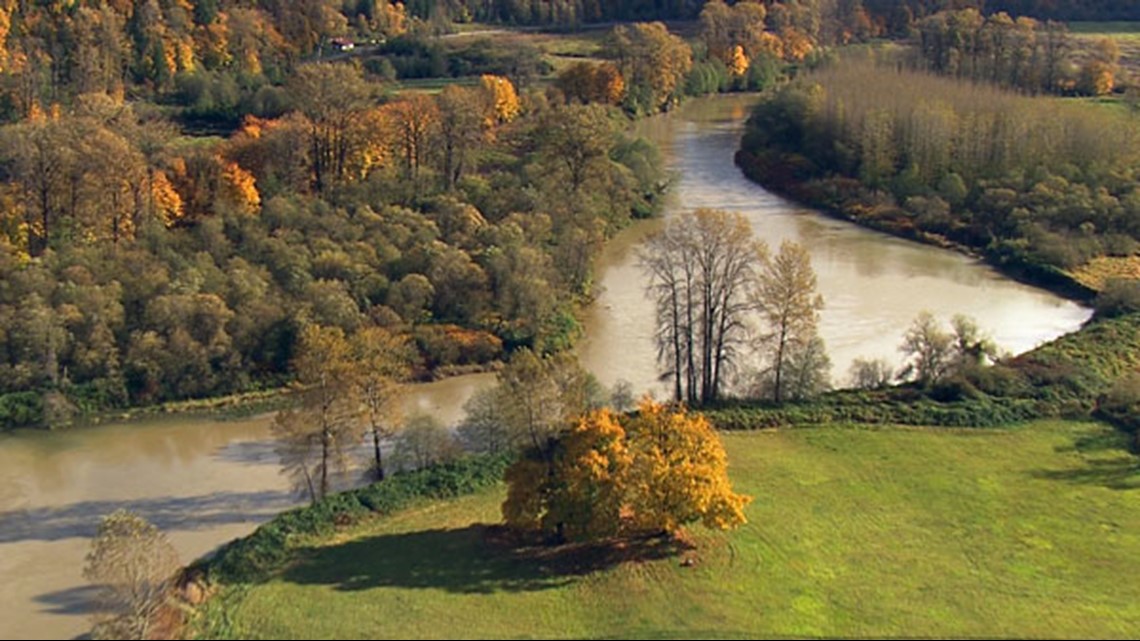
column 661, row 470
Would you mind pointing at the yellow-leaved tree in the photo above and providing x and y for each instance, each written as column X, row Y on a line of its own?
column 652, row 475
column 502, row 98
column 680, row 473
column 737, row 61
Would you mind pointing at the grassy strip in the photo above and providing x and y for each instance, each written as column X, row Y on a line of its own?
column 880, row 408
column 1074, row 376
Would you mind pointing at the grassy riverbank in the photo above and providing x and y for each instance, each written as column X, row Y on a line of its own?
column 854, row 532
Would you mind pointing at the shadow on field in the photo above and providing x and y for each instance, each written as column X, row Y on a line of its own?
column 476, row 559
column 1121, row 473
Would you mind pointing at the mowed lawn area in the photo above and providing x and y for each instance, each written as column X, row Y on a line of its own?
column 855, row 532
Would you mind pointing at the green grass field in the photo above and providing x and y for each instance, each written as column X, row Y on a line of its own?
column 1027, row 532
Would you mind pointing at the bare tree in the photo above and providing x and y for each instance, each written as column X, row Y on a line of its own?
column 423, row 442
column 133, row 566
column 484, row 428
column 332, row 97
column 871, row 373
column 936, row 354
column 701, row 267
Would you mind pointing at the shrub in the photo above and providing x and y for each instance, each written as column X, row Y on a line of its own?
column 21, row 409
column 1118, row 298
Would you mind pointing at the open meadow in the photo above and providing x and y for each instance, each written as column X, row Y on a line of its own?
column 854, row 532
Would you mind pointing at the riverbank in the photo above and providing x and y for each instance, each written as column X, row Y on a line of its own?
column 853, row 210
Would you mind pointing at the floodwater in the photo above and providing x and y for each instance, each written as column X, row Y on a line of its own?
column 205, row 482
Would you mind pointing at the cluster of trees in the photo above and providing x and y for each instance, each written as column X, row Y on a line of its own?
column 1033, row 183
column 347, row 388
column 933, row 355
column 648, row 69
column 348, row 398
column 709, row 279
column 50, row 52
column 1022, row 53
column 609, row 475
column 139, row 268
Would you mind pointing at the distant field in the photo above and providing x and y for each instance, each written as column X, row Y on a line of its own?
column 1028, row 532
column 1098, row 271
column 433, row 85
column 1104, row 27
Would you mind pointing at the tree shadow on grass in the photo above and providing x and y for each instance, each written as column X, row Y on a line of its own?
column 1106, row 441
column 477, row 559
column 1121, row 473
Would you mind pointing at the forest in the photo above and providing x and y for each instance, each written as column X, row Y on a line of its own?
column 188, row 271
column 145, row 261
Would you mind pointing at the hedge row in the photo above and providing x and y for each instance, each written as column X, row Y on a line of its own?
column 986, row 412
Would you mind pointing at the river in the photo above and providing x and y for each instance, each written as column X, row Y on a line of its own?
column 205, row 482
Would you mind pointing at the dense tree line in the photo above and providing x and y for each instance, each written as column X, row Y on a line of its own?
column 1040, row 9
column 561, row 13
column 1034, row 183
column 139, row 267
column 1023, row 53
column 214, row 49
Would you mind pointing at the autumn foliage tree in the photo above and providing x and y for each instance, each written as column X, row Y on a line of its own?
column 786, row 297
column 653, row 64
column 316, row 435
column 618, row 476
column 587, row 82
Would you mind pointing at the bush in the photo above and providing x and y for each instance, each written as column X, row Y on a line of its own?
column 1118, row 298
column 21, row 409
column 1121, row 405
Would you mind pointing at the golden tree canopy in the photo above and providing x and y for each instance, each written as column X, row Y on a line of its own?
column 505, row 105
column 613, row 475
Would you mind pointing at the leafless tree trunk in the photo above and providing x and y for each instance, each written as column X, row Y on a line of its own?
column 701, row 267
